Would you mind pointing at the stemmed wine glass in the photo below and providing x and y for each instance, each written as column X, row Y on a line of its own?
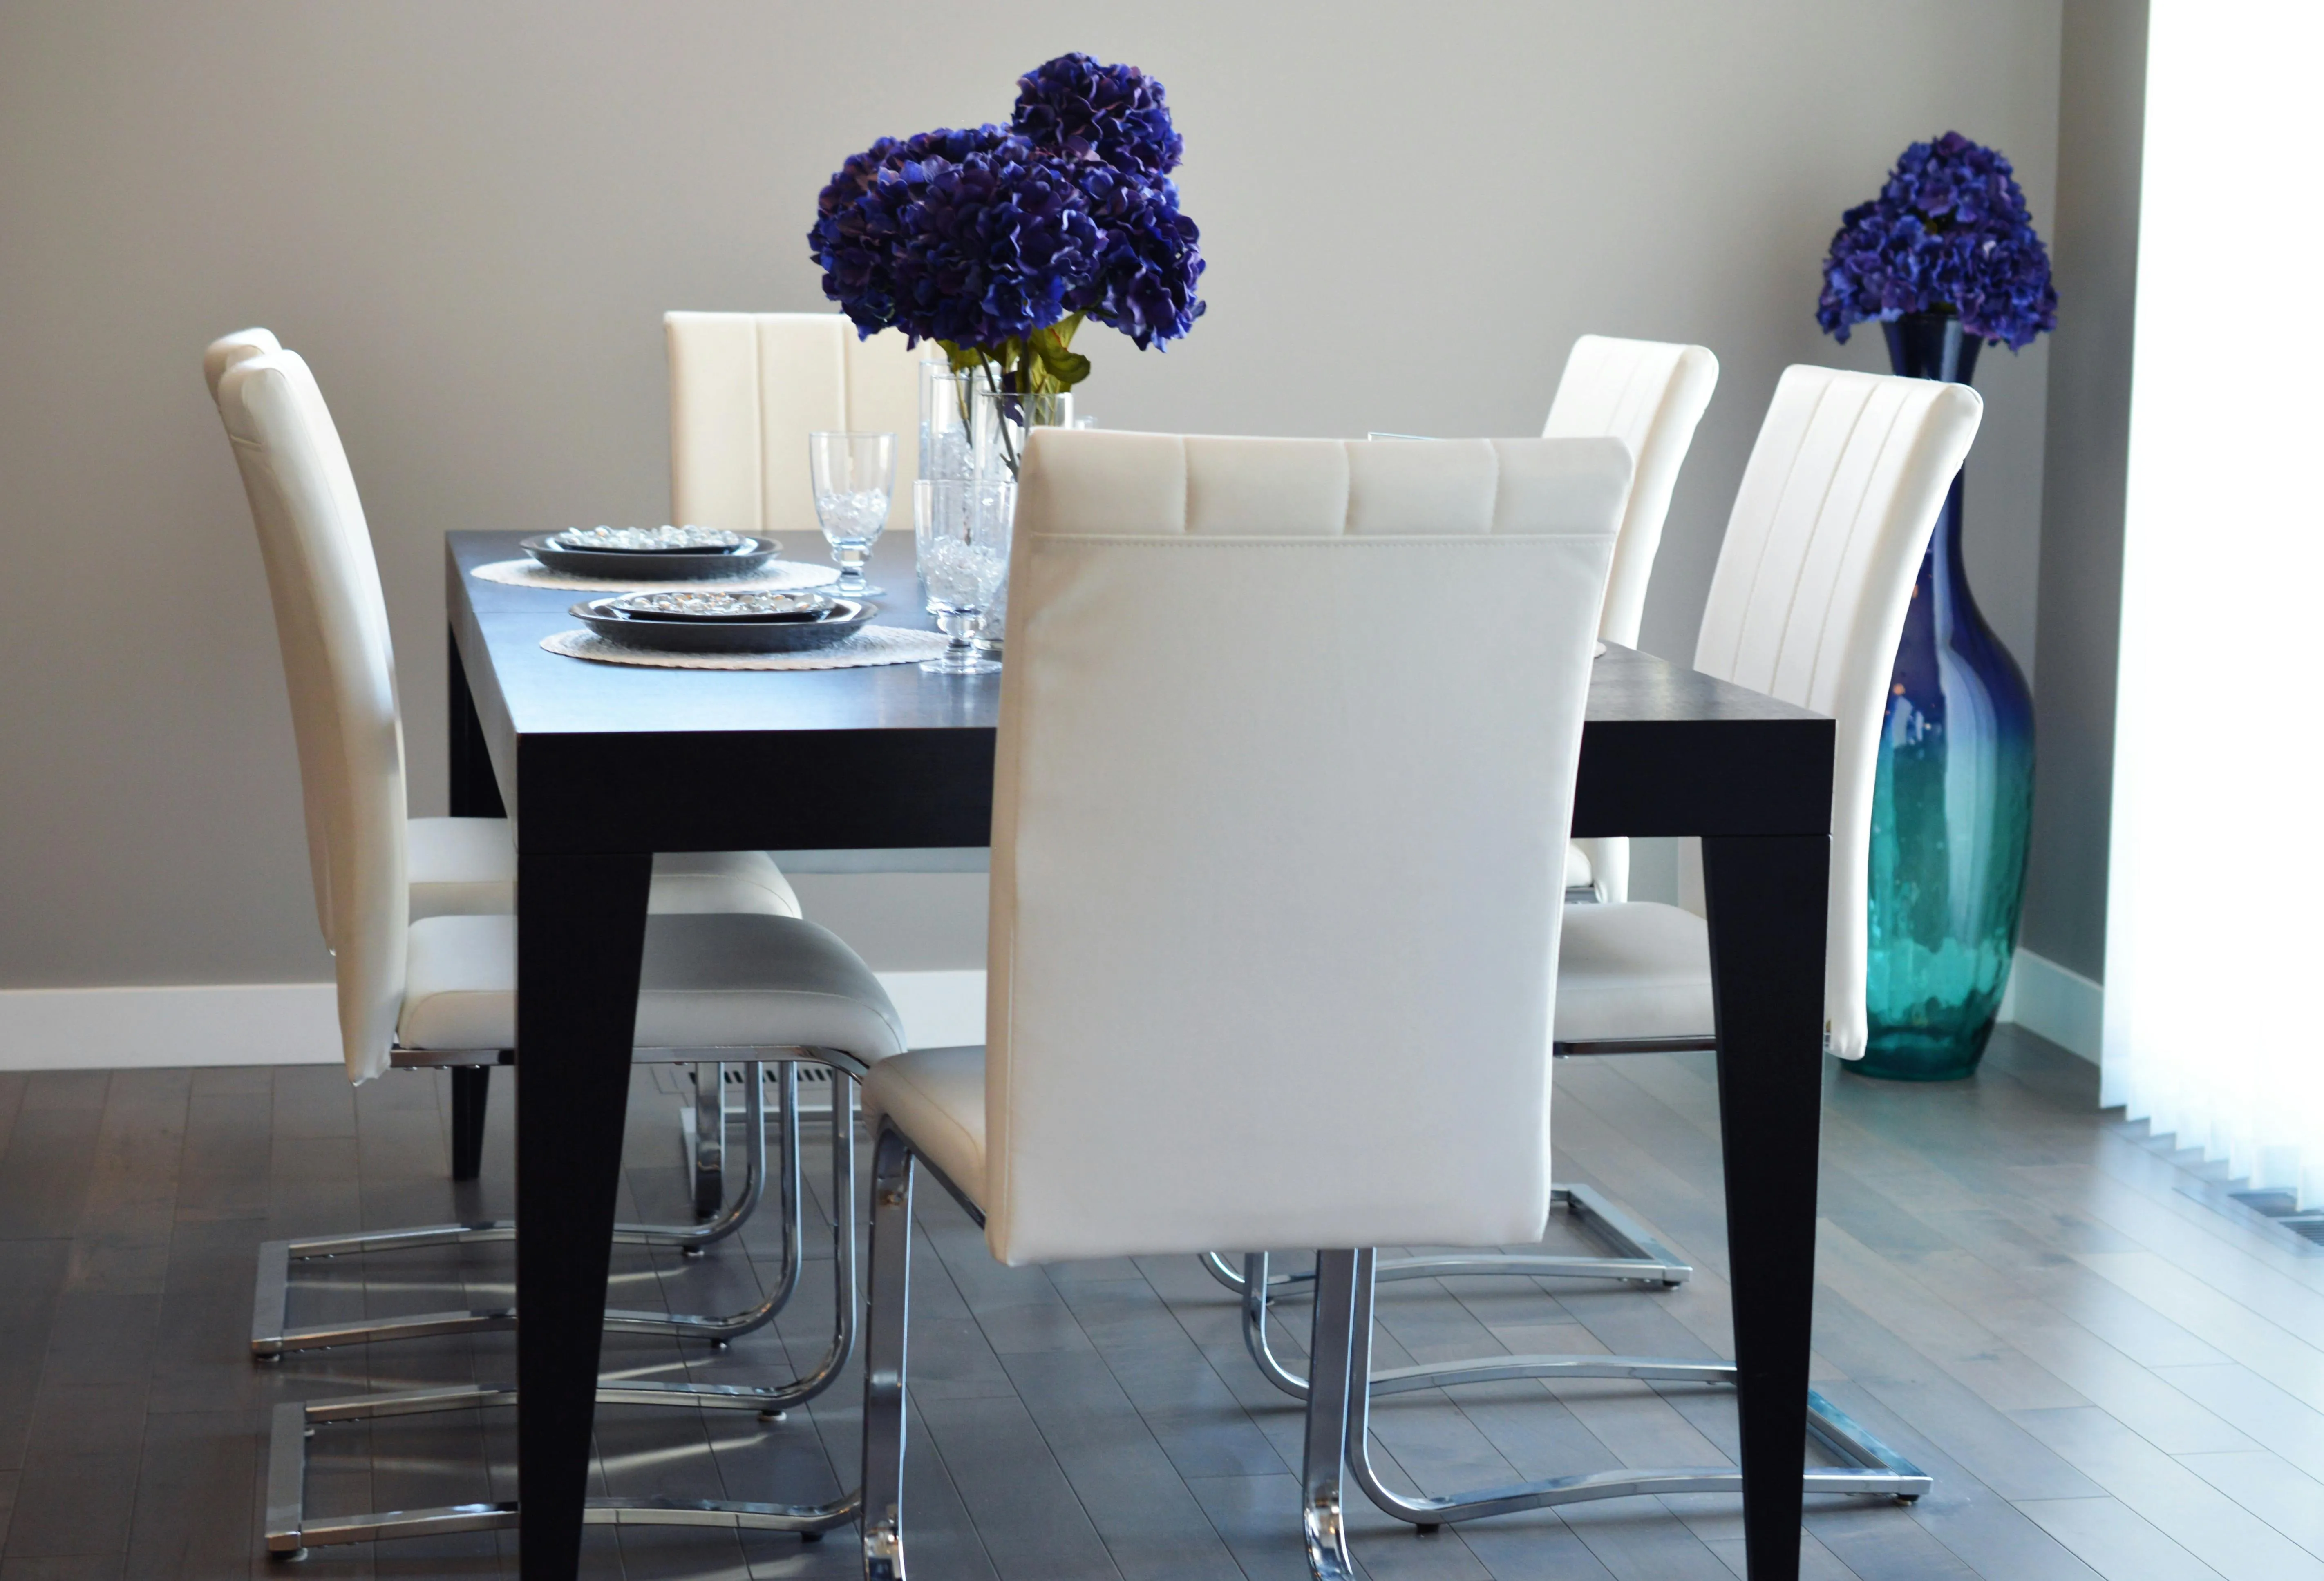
column 853, row 475
column 963, row 527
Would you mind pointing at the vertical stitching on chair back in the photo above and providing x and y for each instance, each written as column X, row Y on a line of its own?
column 764, row 526
column 746, row 389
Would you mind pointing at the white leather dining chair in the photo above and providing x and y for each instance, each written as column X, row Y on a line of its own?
column 1203, row 738
column 442, row 990
column 462, row 867
column 1807, row 604
column 745, row 390
column 320, row 601
column 1650, row 394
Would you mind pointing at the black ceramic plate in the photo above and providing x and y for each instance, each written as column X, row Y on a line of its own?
column 840, row 622
column 671, row 565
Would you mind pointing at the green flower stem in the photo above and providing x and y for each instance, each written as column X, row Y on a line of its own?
column 1043, row 362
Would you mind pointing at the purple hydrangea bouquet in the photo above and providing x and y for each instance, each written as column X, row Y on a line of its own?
column 998, row 243
column 1949, row 233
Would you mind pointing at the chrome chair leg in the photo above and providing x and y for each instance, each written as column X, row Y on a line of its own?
column 290, row 1529
column 1256, row 1299
column 706, row 1161
column 844, row 1292
column 893, row 1166
column 1337, row 1352
column 1639, row 1258
column 273, row 1335
column 886, row 1329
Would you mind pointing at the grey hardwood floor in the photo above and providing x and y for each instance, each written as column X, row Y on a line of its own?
column 2108, row 1375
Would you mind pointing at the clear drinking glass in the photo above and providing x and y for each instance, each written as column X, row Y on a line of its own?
column 962, row 527
column 855, row 474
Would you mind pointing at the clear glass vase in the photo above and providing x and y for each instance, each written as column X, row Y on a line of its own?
column 1000, row 421
column 1952, row 801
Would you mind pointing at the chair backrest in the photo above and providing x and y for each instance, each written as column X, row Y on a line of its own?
column 227, row 350
column 332, row 622
column 1808, row 600
column 1237, row 669
column 307, row 730
column 747, row 389
column 1649, row 394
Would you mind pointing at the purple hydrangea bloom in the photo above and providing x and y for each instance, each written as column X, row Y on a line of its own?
column 1950, row 230
column 860, row 229
column 1083, row 110
column 1147, row 260
column 983, row 236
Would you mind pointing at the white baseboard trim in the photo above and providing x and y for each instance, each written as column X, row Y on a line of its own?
column 2053, row 1002
column 296, row 1024
column 225, row 1024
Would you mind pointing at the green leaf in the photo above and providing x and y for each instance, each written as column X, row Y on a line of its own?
column 960, row 357
column 1060, row 368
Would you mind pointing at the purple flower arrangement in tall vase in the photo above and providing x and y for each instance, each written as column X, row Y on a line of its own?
column 1000, row 242
column 1947, row 259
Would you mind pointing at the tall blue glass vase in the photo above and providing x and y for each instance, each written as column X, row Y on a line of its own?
column 1952, row 804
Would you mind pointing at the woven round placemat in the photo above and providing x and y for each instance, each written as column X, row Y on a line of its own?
column 774, row 576
column 873, row 645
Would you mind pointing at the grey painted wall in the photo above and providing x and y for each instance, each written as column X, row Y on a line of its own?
column 2094, row 249
column 470, row 217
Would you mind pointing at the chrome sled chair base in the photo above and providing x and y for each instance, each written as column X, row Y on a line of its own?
column 273, row 1335
column 290, row 1531
column 1342, row 1351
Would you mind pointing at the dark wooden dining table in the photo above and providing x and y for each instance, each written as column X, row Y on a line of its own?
column 601, row 766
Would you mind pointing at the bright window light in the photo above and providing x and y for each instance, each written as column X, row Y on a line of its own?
column 2214, row 931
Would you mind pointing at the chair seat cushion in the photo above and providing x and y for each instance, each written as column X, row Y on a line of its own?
column 936, row 1098
column 710, row 981
column 1636, row 970
column 688, row 881
column 466, row 867
column 460, row 866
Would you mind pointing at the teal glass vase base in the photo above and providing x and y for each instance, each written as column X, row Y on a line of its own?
column 1952, row 799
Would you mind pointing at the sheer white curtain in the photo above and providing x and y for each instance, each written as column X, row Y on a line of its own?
column 2215, row 913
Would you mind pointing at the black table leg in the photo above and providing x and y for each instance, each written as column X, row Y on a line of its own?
column 472, row 1085
column 1767, row 981
column 474, row 794
column 580, row 934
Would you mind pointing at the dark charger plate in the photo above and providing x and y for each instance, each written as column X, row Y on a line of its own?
column 651, row 566
column 842, row 621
